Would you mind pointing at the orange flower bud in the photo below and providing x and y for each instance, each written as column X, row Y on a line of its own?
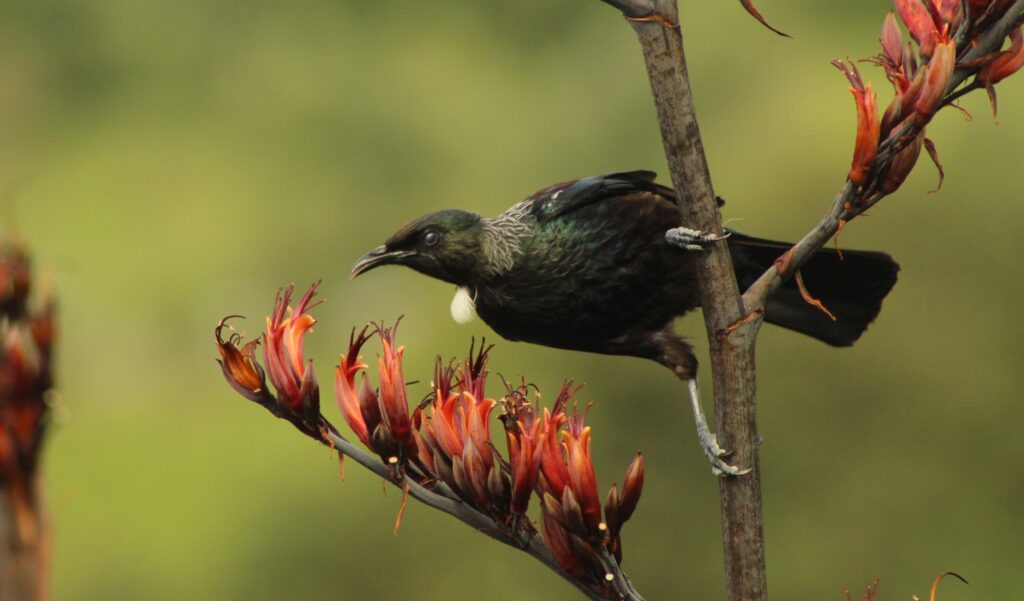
column 499, row 487
column 939, row 71
column 892, row 39
column 612, row 512
column 559, row 543
column 632, row 487
column 919, row 22
column 573, row 514
column 901, row 165
column 476, row 472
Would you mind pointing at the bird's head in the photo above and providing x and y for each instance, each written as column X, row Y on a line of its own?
column 446, row 245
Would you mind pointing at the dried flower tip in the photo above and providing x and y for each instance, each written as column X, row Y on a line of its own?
column 748, row 5
column 239, row 364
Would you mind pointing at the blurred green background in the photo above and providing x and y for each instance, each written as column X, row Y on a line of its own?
column 173, row 162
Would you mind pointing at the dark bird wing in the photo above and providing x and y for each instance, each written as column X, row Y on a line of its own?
column 560, row 199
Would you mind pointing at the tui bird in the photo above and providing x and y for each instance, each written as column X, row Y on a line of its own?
column 600, row 265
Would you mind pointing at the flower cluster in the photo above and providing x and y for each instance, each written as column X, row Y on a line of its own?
column 457, row 436
column 922, row 73
column 380, row 417
column 26, row 377
column 574, row 528
column 298, row 394
column 445, row 442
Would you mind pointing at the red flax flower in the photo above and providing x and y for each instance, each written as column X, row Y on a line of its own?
column 523, row 436
column 572, row 518
column 394, row 406
column 619, row 508
column 445, row 443
column 569, row 481
column 868, row 125
column 358, row 405
column 887, row 149
column 298, row 394
column 950, row 36
column 582, row 480
column 295, row 382
column 380, row 418
column 457, row 433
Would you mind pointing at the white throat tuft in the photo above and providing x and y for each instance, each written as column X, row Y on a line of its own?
column 463, row 306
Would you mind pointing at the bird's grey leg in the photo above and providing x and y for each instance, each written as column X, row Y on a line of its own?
column 708, row 440
column 690, row 239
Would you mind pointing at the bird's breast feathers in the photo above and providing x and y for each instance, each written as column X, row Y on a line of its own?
column 463, row 306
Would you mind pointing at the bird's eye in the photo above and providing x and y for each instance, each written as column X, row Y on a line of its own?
column 431, row 237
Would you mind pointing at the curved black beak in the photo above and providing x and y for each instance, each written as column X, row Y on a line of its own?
column 377, row 257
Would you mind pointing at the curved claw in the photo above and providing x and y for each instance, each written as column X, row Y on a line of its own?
column 708, row 440
column 690, row 239
column 716, row 455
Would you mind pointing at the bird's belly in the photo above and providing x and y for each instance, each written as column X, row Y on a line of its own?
column 589, row 315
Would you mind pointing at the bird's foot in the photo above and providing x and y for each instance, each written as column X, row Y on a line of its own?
column 690, row 239
column 716, row 456
column 709, row 440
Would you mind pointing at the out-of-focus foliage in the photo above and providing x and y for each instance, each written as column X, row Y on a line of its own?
column 172, row 162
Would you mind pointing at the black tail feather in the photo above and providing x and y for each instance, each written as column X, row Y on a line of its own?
column 851, row 288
